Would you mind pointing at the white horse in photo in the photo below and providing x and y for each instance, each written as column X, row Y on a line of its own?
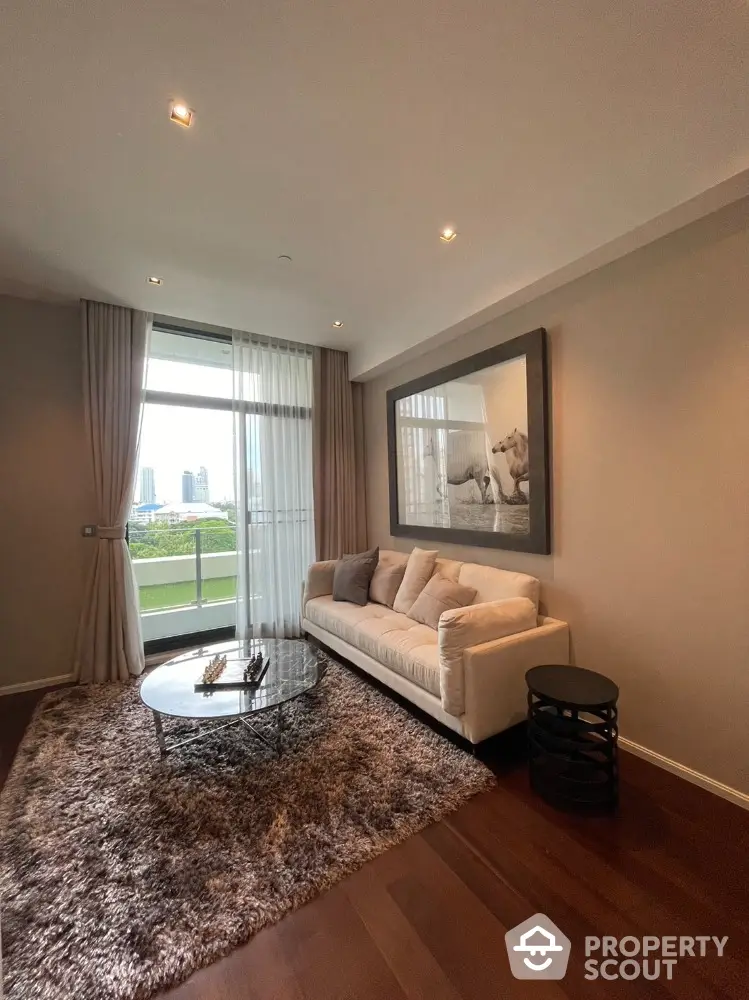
column 515, row 449
column 465, row 460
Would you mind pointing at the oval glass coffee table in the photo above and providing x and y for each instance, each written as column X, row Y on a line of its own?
column 296, row 667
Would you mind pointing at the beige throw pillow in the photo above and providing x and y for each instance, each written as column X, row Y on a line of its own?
column 387, row 577
column 418, row 570
column 439, row 595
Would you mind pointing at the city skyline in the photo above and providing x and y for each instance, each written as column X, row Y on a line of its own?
column 188, row 486
column 147, row 485
column 195, row 487
column 202, row 492
column 175, row 439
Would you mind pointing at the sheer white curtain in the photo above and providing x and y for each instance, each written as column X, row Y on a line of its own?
column 273, row 439
column 422, row 471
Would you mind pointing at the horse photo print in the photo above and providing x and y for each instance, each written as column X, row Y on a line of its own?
column 468, row 454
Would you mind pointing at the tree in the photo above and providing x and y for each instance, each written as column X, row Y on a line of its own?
column 160, row 539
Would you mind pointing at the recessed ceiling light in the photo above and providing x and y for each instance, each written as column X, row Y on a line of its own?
column 448, row 235
column 337, row 323
column 284, row 256
column 154, row 281
column 181, row 114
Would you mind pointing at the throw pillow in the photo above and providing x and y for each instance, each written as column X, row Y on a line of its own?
column 387, row 577
column 352, row 575
column 440, row 595
column 418, row 570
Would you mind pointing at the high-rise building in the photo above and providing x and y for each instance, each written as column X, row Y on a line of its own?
column 147, row 485
column 188, row 486
column 201, row 485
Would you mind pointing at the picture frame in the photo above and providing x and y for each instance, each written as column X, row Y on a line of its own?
column 468, row 450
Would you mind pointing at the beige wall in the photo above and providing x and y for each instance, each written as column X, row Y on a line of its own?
column 44, row 489
column 650, row 430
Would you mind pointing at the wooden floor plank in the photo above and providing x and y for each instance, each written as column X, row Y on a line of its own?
column 333, row 954
column 256, row 971
column 458, row 929
column 418, row 972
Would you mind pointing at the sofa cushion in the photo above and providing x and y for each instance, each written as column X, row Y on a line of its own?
column 387, row 577
column 352, row 575
column 493, row 584
column 439, row 595
column 340, row 617
column 418, row 570
column 405, row 646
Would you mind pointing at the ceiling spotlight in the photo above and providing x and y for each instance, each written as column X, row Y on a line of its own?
column 337, row 323
column 181, row 114
column 154, row 281
column 448, row 235
column 284, row 256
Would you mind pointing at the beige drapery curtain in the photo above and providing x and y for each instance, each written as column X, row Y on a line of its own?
column 338, row 457
column 109, row 646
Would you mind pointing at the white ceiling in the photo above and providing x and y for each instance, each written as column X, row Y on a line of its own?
column 347, row 135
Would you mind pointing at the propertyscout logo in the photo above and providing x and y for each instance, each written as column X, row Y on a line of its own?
column 538, row 949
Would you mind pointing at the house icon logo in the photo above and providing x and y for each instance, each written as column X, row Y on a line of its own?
column 537, row 949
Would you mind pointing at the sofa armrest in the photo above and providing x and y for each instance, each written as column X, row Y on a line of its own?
column 319, row 580
column 478, row 623
column 496, row 695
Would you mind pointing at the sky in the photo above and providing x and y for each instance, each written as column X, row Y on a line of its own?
column 176, row 438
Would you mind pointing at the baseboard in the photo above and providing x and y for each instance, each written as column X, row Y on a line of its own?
column 34, row 685
column 709, row 784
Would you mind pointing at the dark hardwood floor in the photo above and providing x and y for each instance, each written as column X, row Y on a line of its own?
column 426, row 921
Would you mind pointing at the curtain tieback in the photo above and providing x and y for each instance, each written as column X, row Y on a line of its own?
column 110, row 533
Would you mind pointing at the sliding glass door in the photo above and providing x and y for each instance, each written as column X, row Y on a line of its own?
column 183, row 538
column 221, row 527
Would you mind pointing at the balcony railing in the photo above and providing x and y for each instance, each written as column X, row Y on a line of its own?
column 180, row 566
column 187, row 573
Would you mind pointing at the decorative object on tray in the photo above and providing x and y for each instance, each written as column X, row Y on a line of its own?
column 246, row 674
column 255, row 669
column 216, row 666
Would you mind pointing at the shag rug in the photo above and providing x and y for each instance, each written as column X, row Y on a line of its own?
column 121, row 874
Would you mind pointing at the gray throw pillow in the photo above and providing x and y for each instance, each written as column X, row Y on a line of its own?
column 440, row 595
column 352, row 575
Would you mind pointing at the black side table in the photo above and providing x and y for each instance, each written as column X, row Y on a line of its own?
column 572, row 736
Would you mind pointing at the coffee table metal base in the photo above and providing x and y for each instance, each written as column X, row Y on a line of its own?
column 167, row 747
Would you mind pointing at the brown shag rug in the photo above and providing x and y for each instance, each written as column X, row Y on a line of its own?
column 121, row 874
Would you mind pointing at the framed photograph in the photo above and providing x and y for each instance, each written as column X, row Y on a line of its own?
column 468, row 450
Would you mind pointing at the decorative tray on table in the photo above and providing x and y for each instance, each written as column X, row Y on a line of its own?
column 244, row 674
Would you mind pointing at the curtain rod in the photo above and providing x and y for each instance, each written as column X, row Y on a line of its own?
column 227, row 338
column 186, row 331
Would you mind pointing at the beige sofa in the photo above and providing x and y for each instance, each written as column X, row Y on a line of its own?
column 469, row 674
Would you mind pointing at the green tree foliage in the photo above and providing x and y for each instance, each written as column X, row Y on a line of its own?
column 151, row 541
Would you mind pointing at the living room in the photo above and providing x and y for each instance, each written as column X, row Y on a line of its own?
column 368, row 460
